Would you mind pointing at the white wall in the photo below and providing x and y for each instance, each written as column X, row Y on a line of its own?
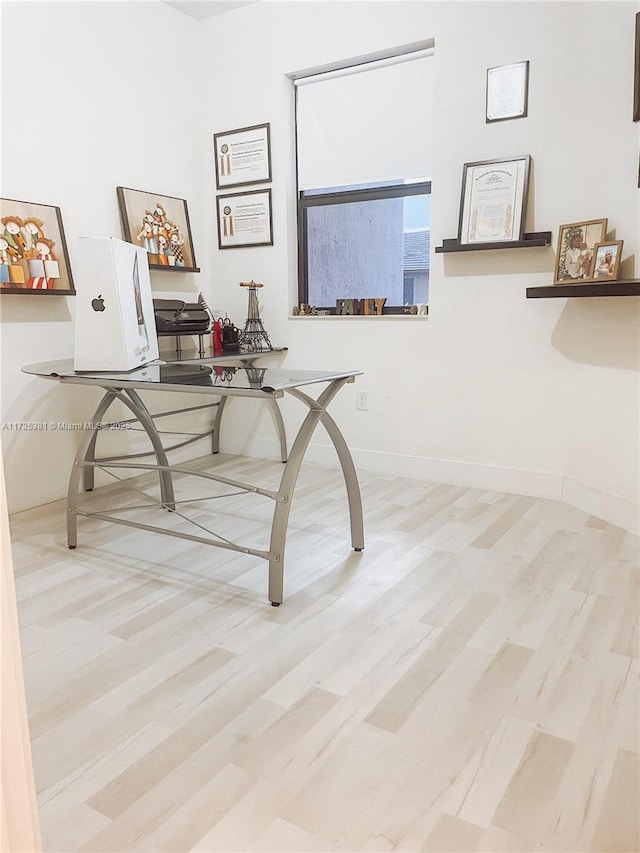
column 104, row 95
column 493, row 390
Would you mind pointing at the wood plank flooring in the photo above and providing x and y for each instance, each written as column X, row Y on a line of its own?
column 469, row 682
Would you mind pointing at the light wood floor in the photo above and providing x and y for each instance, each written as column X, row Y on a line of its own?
column 469, row 682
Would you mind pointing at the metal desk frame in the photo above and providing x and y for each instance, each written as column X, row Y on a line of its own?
column 124, row 387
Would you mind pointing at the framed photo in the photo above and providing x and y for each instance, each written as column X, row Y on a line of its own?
column 160, row 224
column 242, row 156
column 244, row 219
column 636, row 73
column 576, row 248
column 507, row 91
column 494, row 200
column 33, row 249
column 606, row 261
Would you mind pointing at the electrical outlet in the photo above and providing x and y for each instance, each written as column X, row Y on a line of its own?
column 362, row 402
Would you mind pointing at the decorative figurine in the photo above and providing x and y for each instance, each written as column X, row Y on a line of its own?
column 254, row 337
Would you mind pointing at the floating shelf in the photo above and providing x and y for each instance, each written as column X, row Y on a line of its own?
column 535, row 238
column 623, row 287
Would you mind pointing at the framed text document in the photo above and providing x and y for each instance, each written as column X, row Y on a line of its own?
column 507, row 91
column 494, row 200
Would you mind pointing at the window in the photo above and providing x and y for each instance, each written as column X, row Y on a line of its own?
column 364, row 190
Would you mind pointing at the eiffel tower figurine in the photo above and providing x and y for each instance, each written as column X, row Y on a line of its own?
column 254, row 338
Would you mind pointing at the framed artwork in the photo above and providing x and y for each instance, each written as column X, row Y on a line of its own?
column 493, row 205
column 242, row 156
column 33, row 249
column 507, row 91
column 576, row 247
column 636, row 73
column 160, row 224
column 606, row 261
column 244, row 219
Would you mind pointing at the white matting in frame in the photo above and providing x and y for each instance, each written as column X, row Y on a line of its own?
column 507, row 91
column 244, row 219
column 494, row 200
column 242, row 156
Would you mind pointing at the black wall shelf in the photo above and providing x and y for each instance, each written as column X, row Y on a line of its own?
column 623, row 287
column 535, row 238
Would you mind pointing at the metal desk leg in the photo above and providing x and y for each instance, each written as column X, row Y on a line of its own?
column 85, row 455
column 287, row 484
column 215, row 438
column 86, row 452
column 282, row 435
column 351, row 481
column 139, row 409
column 89, row 471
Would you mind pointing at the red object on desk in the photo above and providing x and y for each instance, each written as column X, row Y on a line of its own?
column 217, row 337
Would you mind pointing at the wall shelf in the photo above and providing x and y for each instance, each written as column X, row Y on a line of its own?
column 623, row 287
column 535, row 238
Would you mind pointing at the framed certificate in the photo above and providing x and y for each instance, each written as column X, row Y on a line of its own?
column 494, row 200
column 242, row 156
column 507, row 91
column 244, row 219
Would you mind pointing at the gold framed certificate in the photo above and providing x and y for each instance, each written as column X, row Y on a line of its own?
column 494, row 200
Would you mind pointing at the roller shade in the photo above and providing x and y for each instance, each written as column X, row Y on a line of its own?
column 368, row 124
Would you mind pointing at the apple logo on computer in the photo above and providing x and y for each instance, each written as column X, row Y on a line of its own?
column 98, row 303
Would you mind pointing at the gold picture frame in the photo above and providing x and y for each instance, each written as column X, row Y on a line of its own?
column 606, row 260
column 576, row 245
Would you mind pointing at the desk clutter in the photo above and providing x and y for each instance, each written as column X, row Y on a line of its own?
column 176, row 317
column 118, row 322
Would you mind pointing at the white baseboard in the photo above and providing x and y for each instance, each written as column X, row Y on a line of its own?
column 610, row 508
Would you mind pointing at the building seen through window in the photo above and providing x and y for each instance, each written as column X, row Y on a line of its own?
column 364, row 153
column 375, row 246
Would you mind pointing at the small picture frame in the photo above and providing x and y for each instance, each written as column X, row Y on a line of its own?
column 507, row 91
column 34, row 258
column 160, row 224
column 493, row 202
column 576, row 247
column 606, row 260
column 242, row 156
column 245, row 219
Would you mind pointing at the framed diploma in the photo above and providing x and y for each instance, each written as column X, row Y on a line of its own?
column 507, row 91
column 242, row 156
column 494, row 200
column 244, row 219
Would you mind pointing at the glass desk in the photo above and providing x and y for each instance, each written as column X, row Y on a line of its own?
column 224, row 376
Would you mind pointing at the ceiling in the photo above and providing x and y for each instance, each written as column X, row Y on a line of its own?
column 201, row 9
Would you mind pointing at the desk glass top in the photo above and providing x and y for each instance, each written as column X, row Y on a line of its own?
column 200, row 376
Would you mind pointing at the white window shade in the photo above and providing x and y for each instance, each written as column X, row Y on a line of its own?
column 366, row 126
